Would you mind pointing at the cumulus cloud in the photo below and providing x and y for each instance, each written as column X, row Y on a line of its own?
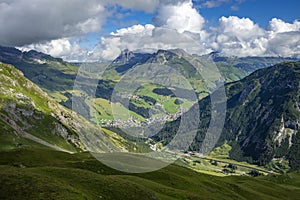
column 284, row 44
column 279, row 26
column 180, row 16
column 233, row 36
column 148, row 38
column 49, row 25
column 242, row 37
column 238, row 36
column 177, row 24
column 61, row 48
column 31, row 21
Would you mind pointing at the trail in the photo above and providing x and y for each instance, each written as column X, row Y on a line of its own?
column 40, row 141
column 26, row 135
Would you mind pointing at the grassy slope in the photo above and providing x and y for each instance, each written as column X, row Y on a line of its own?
column 44, row 174
column 31, row 99
column 26, row 96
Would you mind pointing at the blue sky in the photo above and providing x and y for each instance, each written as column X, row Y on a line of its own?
column 259, row 11
column 73, row 29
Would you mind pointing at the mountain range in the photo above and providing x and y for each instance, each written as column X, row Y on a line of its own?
column 262, row 118
column 41, row 139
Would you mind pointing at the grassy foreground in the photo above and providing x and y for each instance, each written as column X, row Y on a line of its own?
column 45, row 174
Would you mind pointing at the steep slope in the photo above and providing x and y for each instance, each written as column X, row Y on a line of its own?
column 177, row 59
column 51, row 74
column 175, row 68
column 26, row 108
column 56, row 77
column 264, row 116
column 29, row 116
column 262, row 119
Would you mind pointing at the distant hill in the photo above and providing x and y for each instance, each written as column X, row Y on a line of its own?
column 248, row 64
column 57, row 77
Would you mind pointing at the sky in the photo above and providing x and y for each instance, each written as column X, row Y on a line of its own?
column 98, row 30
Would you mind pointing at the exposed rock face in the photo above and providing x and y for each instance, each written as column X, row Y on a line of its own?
column 26, row 108
column 264, row 108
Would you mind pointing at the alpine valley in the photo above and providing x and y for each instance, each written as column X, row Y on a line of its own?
column 43, row 155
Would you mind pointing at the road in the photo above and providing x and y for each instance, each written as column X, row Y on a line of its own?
column 236, row 164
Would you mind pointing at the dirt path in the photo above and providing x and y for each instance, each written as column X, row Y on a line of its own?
column 26, row 135
column 40, row 141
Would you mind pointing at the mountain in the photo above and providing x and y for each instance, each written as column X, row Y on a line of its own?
column 262, row 120
column 41, row 150
column 175, row 68
column 203, row 73
column 248, row 64
column 30, row 121
column 264, row 115
column 176, row 58
column 57, row 77
column 51, row 74
column 28, row 116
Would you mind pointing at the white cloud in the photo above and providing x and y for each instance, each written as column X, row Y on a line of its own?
column 180, row 16
column 149, row 39
column 61, row 48
column 31, row 21
column 241, row 37
column 285, row 44
column 238, row 36
column 242, row 28
column 177, row 24
column 279, row 26
column 283, row 38
column 233, row 36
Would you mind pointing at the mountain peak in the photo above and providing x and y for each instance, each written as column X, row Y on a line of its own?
column 124, row 57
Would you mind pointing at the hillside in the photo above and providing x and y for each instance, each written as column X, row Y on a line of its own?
column 57, row 77
column 262, row 119
column 55, row 175
column 51, row 74
column 28, row 116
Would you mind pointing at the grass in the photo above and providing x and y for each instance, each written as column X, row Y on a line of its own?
column 218, row 160
column 103, row 110
column 9, row 140
column 45, row 174
column 167, row 102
